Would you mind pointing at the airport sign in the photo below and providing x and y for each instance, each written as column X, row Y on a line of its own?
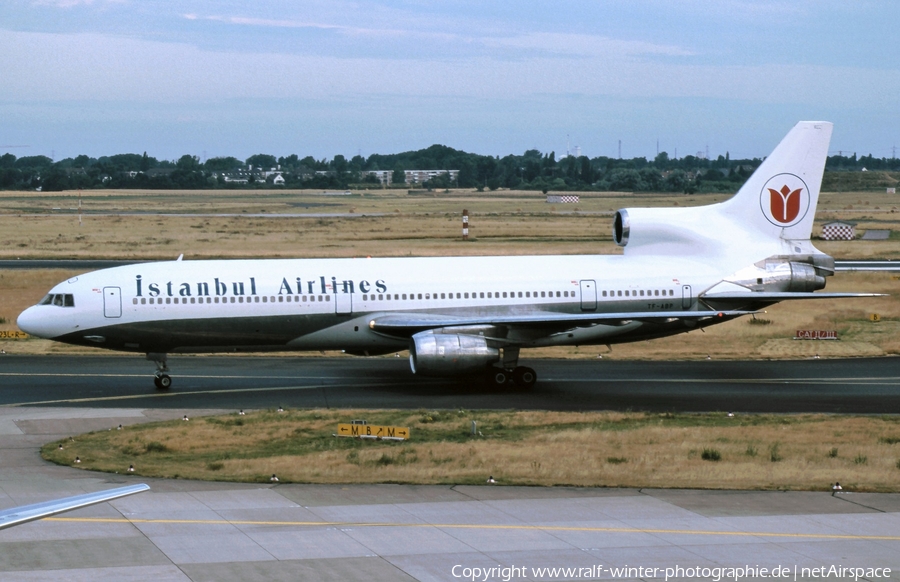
column 373, row 431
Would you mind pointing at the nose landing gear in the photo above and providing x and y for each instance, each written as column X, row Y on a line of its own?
column 161, row 379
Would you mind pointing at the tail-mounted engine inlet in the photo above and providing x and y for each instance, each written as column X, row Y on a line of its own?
column 621, row 228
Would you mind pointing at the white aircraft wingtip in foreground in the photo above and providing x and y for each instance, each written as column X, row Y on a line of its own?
column 25, row 513
column 682, row 269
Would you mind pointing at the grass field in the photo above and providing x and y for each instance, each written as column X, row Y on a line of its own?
column 149, row 225
column 161, row 225
column 605, row 449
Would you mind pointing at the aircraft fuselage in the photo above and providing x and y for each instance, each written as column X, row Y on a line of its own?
column 316, row 304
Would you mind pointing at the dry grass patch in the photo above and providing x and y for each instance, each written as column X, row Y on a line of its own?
column 525, row 448
column 296, row 223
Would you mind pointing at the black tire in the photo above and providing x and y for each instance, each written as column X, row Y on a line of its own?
column 498, row 377
column 524, row 377
column 163, row 382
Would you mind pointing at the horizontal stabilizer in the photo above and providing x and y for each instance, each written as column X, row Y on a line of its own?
column 399, row 323
column 867, row 266
column 18, row 515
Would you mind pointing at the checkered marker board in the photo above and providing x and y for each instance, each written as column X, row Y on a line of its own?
column 562, row 199
column 838, row 232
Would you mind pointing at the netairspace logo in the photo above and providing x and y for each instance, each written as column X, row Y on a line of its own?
column 715, row 574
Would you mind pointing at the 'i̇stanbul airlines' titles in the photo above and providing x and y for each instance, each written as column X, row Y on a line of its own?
column 219, row 288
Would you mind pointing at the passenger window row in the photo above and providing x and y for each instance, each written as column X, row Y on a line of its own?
column 239, row 299
column 478, row 295
column 68, row 301
column 634, row 293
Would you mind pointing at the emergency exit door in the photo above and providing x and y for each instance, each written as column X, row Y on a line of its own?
column 112, row 302
column 687, row 298
column 588, row 295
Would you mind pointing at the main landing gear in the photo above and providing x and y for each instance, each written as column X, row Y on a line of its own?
column 161, row 379
column 522, row 376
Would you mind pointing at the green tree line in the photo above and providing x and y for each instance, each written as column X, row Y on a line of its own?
column 532, row 170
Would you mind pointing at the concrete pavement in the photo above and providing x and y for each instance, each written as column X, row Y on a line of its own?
column 187, row 530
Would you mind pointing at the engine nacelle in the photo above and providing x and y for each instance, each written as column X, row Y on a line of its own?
column 780, row 276
column 792, row 276
column 434, row 353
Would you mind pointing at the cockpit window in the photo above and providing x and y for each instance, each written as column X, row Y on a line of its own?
column 59, row 299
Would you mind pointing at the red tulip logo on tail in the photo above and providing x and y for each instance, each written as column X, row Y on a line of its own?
column 784, row 200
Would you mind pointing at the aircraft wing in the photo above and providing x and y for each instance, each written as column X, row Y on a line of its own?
column 408, row 324
column 753, row 296
column 19, row 515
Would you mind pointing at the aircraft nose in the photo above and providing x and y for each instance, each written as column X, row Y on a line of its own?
column 37, row 322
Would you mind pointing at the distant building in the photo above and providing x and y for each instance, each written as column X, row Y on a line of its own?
column 385, row 177
column 244, row 175
column 420, row 176
column 263, row 173
column 839, row 230
column 237, row 176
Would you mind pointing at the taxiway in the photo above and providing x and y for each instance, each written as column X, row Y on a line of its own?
column 865, row 385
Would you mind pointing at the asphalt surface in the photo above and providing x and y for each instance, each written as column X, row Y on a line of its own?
column 869, row 386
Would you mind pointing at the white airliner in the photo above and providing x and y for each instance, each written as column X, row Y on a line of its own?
column 682, row 269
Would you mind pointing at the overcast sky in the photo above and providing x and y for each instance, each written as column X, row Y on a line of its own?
column 326, row 77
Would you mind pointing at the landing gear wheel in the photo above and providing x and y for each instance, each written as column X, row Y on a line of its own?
column 161, row 379
column 524, row 377
column 498, row 377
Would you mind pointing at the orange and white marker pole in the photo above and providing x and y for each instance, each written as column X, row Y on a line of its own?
column 465, row 224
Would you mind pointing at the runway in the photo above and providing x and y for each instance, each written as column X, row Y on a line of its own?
column 865, row 386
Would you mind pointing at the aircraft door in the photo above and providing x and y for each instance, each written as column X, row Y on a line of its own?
column 588, row 295
column 687, row 298
column 343, row 303
column 112, row 302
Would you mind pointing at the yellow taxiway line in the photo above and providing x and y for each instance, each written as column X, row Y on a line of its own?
column 508, row 527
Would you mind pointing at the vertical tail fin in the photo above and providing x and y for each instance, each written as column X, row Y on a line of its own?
column 771, row 215
column 780, row 198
